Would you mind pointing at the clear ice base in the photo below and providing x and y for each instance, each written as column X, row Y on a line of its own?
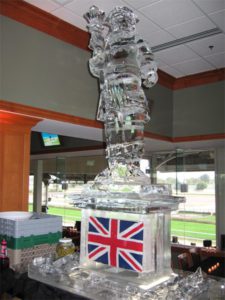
column 128, row 278
column 66, row 274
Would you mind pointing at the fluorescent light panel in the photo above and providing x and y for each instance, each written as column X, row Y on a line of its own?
column 187, row 39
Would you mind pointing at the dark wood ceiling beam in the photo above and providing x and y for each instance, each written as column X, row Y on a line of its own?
column 199, row 79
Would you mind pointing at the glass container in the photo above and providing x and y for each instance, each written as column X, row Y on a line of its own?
column 64, row 247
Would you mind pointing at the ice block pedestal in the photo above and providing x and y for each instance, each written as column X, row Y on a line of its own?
column 128, row 240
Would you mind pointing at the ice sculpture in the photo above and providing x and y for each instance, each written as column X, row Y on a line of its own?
column 125, row 238
column 125, row 219
column 121, row 60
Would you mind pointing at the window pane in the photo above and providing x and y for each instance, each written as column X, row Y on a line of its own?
column 192, row 175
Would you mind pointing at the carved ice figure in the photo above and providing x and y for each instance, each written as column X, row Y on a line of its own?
column 121, row 197
column 121, row 60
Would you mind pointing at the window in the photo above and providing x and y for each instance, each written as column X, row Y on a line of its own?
column 63, row 180
column 191, row 174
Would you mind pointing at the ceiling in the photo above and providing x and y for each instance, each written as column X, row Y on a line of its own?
column 173, row 28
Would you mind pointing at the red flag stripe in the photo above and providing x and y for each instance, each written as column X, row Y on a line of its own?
column 114, row 238
column 124, row 244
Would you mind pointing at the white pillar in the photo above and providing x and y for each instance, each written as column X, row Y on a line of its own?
column 153, row 172
column 38, row 174
column 220, row 192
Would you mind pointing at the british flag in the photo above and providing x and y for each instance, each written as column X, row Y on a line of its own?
column 117, row 243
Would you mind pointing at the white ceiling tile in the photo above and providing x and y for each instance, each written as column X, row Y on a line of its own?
column 209, row 6
column 188, row 28
column 167, row 13
column 157, row 37
column 202, row 46
column 176, row 55
column 145, row 26
column 47, row 5
column 159, row 60
column 62, row 2
column 218, row 60
column 193, row 66
column 179, row 18
column 219, row 19
column 159, row 63
column 68, row 16
column 139, row 3
column 80, row 7
column 172, row 71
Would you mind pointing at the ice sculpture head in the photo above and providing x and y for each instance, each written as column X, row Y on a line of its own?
column 121, row 18
column 122, row 61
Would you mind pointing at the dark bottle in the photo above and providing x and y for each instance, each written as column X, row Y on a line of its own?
column 4, row 259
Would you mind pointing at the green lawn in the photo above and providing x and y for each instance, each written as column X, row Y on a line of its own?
column 197, row 217
column 68, row 214
column 192, row 229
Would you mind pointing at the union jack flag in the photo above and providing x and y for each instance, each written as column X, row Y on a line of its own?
column 117, row 243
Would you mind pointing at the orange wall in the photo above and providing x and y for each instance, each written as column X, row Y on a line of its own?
column 14, row 160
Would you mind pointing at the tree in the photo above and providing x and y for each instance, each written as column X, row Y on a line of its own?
column 192, row 181
column 170, row 180
column 205, row 178
column 201, row 185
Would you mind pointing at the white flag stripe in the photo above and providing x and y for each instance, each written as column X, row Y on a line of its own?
column 133, row 251
column 130, row 230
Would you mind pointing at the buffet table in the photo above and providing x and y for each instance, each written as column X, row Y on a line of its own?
column 45, row 288
column 80, row 283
